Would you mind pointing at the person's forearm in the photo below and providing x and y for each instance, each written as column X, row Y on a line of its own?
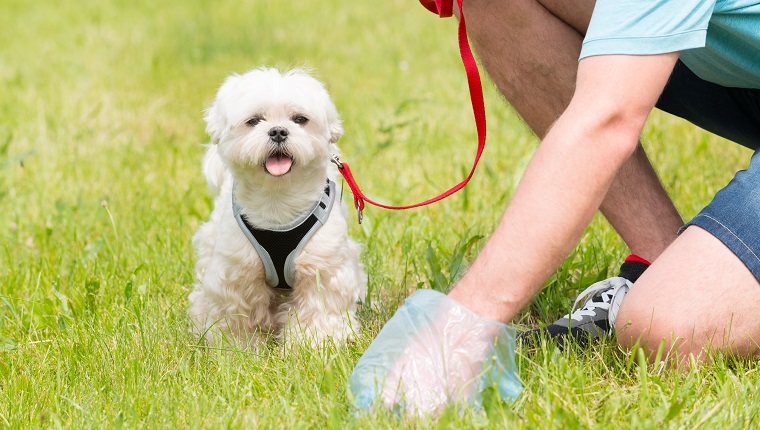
column 565, row 182
column 556, row 199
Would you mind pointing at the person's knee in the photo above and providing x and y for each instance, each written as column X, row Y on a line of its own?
column 639, row 325
column 680, row 338
column 697, row 298
column 481, row 15
column 645, row 331
column 525, row 13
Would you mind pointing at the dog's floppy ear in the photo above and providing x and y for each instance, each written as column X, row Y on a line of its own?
column 213, row 169
column 336, row 131
column 215, row 123
column 216, row 118
column 334, row 123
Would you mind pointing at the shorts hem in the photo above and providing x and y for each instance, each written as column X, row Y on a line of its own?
column 730, row 239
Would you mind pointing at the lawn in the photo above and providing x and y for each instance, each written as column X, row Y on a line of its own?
column 101, row 136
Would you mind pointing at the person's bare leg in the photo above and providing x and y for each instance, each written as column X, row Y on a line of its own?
column 640, row 210
column 697, row 295
column 530, row 49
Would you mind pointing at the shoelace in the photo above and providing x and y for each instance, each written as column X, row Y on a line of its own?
column 607, row 290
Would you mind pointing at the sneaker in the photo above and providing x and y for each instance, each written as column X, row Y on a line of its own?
column 596, row 318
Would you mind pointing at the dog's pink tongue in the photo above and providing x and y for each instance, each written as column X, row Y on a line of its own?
column 278, row 166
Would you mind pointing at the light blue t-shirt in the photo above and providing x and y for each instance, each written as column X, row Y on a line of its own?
column 719, row 39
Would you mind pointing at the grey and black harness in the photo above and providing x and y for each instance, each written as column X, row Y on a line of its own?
column 278, row 249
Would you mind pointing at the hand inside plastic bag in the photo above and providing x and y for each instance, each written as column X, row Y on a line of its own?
column 432, row 353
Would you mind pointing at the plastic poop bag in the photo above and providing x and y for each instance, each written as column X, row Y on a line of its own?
column 434, row 352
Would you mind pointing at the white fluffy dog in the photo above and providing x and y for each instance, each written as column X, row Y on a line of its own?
column 275, row 259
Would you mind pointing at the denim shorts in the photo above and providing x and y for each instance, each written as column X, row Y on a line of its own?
column 733, row 216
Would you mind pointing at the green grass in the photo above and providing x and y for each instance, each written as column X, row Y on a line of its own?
column 100, row 192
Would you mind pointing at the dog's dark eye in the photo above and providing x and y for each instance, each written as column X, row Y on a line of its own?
column 300, row 119
column 254, row 121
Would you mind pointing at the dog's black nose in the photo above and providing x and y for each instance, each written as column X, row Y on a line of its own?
column 278, row 134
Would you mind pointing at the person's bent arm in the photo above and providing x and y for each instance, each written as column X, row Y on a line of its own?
column 565, row 182
column 433, row 351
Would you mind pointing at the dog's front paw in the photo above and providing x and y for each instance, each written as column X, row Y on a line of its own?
column 315, row 331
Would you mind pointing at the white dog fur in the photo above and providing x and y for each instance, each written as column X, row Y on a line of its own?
column 231, row 296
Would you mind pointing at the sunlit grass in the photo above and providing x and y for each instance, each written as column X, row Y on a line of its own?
column 100, row 191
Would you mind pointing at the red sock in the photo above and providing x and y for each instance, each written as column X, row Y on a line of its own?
column 633, row 267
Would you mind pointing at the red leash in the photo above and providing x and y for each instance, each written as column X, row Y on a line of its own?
column 442, row 8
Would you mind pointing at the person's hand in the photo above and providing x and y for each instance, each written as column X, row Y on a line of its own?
column 432, row 353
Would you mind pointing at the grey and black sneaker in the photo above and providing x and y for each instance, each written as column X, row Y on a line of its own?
column 596, row 318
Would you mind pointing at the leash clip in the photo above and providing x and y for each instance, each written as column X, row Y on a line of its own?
column 346, row 172
column 334, row 158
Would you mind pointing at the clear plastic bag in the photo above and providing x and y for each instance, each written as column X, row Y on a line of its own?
column 434, row 352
